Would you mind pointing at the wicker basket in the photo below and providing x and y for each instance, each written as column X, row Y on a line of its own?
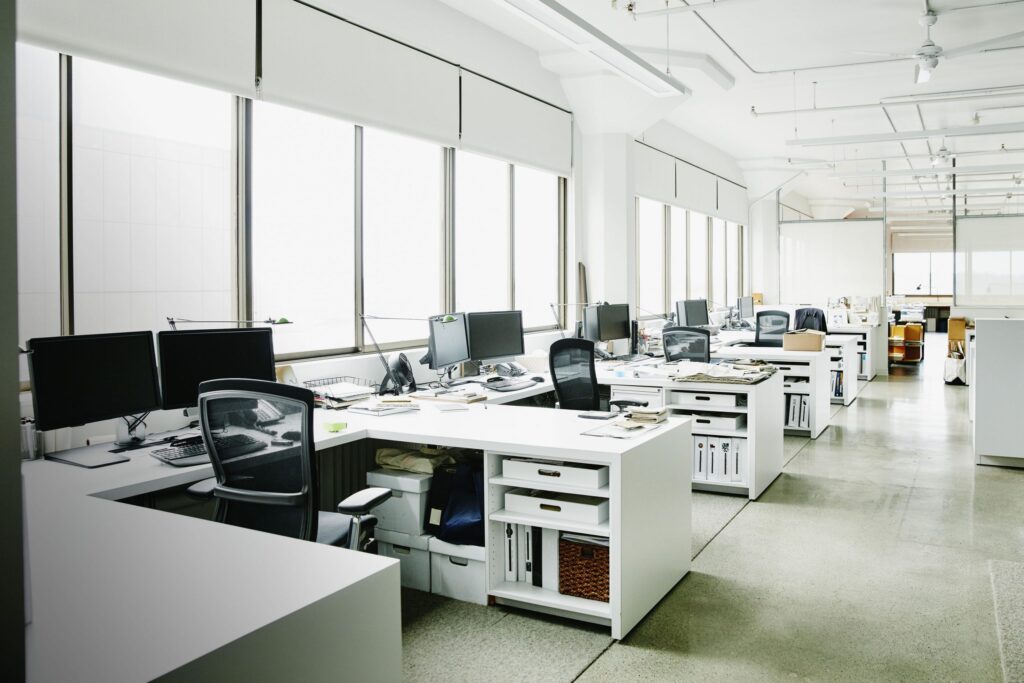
column 583, row 570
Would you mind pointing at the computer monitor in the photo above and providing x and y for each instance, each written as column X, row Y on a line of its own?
column 449, row 340
column 745, row 304
column 692, row 312
column 91, row 377
column 495, row 334
column 605, row 322
column 190, row 357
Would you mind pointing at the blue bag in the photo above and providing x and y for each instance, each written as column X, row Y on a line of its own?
column 463, row 519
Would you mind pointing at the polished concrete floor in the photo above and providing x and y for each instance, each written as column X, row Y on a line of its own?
column 867, row 560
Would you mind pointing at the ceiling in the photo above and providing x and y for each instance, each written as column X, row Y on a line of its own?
column 808, row 54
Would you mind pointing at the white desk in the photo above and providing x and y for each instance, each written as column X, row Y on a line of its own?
column 846, row 362
column 998, row 376
column 872, row 343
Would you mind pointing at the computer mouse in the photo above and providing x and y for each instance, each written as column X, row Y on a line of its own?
column 292, row 436
column 537, row 379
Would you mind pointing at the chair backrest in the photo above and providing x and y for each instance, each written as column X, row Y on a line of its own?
column 572, row 371
column 261, row 485
column 770, row 328
column 686, row 343
column 810, row 319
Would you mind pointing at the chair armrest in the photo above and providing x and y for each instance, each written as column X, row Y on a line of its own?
column 202, row 489
column 622, row 403
column 361, row 502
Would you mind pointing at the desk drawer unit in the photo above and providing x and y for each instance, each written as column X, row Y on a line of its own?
column 794, row 369
column 652, row 395
column 544, row 472
column 711, row 400
column 556, row 507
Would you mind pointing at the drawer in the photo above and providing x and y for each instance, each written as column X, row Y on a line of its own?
column 718, row 421
column 708, row 399
column 651, row 395
column 546, row 472
column 557, row 506
column 793, row 370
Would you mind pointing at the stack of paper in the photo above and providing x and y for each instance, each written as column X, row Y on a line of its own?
column 342, row 394
column 648, row 415
column 382, row 407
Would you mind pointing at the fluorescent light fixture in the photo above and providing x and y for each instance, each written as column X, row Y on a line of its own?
column 560, row 23
column 990, row 129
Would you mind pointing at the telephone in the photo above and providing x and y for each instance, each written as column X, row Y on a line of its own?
column 401, row 370
column 511, row 369
column 267, row 414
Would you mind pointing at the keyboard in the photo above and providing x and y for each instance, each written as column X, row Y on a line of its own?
column 195, row 453
column 509, row 384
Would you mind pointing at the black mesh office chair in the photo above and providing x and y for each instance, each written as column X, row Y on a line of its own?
column 686, row 343
column 770, row 328
column 268, row 482
column 575, row 379
column 810, row 319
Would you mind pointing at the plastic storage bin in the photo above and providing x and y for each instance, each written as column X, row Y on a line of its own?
column 406, row 510
column 412, row 554
column 458, row 571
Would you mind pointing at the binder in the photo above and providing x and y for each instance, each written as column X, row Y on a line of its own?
column 537, row 556
column 550, row 571
column 794, row 410
column 727, row 464
column 511, row 552
column 739, row 456
column 716, row 463
column 805, row 412
column 700, row 458
column 525, row 565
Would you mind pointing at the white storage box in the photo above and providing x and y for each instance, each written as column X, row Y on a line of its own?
column 718, row 421
column 411, row 553
column 406, row 510
column 695, row 398
column 458, row 571
column 557, row 506
column 546, row 472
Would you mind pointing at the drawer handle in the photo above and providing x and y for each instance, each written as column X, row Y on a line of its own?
column 549, row 473
column 702, row 398
column 550, row 508
column 401, row 550
column 703, row 421
column 785, row 367
column 459, row 561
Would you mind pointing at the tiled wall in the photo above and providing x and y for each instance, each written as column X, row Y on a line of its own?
column 152, row 231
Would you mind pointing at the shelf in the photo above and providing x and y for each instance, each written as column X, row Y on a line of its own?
column 795, row 392
column 549, row 523
column 802, row 430
column 736, row 433
column 524, row 592
column 550, row 486
column 705, row 408
column 722, row 486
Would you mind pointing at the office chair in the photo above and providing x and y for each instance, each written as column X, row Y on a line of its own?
column 572, row 370
column 686, row 343
column 269, row 482
column 810, row 319
column 770, row 327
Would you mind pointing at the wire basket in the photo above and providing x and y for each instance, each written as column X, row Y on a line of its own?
column 326, row 381
column 583, row 570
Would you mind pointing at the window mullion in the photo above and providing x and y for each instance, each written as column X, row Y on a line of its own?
column 357, row 251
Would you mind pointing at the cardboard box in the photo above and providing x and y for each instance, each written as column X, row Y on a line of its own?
column 803, row 340
column 758, row 298
column 957, row 329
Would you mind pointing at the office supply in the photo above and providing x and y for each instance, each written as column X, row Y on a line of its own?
column 597, row 415
column 542, row 472
column 89, row 460
column 692, row 312
column 511, row 551
column 189, row 357
column 405, row 512
column 292, row 476
column 86, row 378
column 495, row 334
column 380, row 409
column 525, row 537
column 509, row 385
column 453, row 395
column 700, row 458
column 553, row 505
column 648, row 415
column 620, row 429
column 770, row 327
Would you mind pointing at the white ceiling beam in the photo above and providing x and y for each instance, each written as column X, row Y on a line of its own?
column 960, row 192
column 961, row 131
column 941, row 170
column 696, row 7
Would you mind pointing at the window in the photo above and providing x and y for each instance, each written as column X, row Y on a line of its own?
column 537, row 244
column 677, row 257
column 650, row 228
column 698, row 256
column 733, row 237
column 403, row 212
column 482, row 255
column 922, row 273
column 151, row 185
column 303, row 237
column 718, row 263
column 38, row 191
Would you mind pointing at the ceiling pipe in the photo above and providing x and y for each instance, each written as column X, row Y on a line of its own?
column 698, row 7
column 961, row 131
column 936, row 171
column 942, row 194
column 894, row 102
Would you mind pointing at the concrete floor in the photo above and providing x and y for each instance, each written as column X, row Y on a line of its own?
column 866, row 560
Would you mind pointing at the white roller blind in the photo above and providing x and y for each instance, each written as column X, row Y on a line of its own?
column 910, row 243
column 695, row 188
column 830, row 259
column 732, row 202
column 989, row 261
column 499, row 121
column 315, row 61
column 655, row 174
column 207, row 42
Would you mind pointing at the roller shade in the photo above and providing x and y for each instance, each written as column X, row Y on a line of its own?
column 732, row 202
column 211, row 43
column 316, row 61
column 821, row 260
column 696, row 189
column 655, row 174
column 910, row 243
column 989, row 261
column 502, row 122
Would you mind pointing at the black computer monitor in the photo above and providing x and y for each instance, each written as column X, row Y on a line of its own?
column 605, row 322
column 745, row 304
column 189, row 357
column 91, row 377
column 495, row 334
column 449, row 340
column 692, row 312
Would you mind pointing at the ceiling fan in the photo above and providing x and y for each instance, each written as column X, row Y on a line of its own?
column 928, row 54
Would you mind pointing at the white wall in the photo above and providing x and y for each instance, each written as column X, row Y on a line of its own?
column 820, row 260
column 764, row 249
column 679, row 143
